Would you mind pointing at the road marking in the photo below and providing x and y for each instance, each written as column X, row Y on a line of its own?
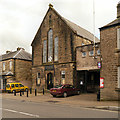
column 14, row 111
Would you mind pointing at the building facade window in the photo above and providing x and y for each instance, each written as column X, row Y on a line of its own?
column 83, row 54
column 83, row 44
column 38, row 81
column 91, row 53
column 3, row 66
column 63, row 77
column 119, row 77
column 118, row 38
column 50, row 45
column 56, row 49
column 98, row 52
column 45, row 51
column 10, row 65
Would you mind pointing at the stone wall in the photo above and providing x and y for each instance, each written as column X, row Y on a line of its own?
column 109, row 63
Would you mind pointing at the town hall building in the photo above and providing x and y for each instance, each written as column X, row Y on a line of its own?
column 54, row 51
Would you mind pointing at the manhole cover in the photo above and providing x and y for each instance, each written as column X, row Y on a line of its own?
column 52, row 101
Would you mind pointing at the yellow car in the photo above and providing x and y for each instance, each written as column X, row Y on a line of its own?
column 11, row 87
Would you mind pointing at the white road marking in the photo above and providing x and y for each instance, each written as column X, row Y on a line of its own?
column 14, row 111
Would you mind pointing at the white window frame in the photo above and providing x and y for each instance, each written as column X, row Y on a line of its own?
column 10, row 65
column 118, row 38
column 3, row 66
column 38, row 82
column 119, row 77
column 90, row 53
column 83, row 54
column 98, row 53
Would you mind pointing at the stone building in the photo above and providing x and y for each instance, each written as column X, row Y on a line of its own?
column 54, row 50
column 16, row 67
column 88, row 71
column 110, row 56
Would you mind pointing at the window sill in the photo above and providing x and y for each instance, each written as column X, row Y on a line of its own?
column 117, row 50
column 117, row 89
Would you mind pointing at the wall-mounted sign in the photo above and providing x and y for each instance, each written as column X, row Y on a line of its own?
column 99, row 64
column 49, row 67
column 101, row 82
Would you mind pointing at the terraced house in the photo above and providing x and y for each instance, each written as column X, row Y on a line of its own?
column 16, row 67
column 110, row 53
column 54, row 51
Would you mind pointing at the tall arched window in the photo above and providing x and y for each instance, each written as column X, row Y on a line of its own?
column 50, row 45
column 56, row 49
column 44, row 51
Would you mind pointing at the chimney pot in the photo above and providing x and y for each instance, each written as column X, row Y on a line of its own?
column 118, row 10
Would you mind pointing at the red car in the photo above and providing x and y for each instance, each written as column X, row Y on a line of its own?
column 64, row 90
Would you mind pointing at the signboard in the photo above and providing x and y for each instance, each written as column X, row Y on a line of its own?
column 101, row 82
column 99, row 64
column 49, row 67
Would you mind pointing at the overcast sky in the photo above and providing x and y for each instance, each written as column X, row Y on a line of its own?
column 20, row 19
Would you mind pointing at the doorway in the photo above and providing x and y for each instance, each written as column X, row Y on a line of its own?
column 49, row 81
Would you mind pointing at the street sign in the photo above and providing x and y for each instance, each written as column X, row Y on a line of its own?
column 99, row 64
column 101, row 82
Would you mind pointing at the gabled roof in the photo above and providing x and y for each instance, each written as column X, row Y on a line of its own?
column 113, row 23
column 19, row 54
column 75, row 28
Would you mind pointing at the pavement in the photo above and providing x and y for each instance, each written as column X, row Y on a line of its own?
column 88, row 100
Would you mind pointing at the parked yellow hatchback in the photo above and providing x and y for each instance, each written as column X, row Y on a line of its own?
column 11, row 87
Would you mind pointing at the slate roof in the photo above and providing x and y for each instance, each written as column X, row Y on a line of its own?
column 76, row 28
column 115, row 22
column 19, row 54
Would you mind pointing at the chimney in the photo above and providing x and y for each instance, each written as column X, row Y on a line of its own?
column 118, row 10
column 7, row 51
column 20, row 48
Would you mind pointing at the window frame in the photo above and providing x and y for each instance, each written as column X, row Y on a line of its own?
column 83, row 54
column 118, row 38
column 118, row 76
column 44, row 52
column 10, row 65
column 3, row 66
column 38, row 78
column 56, row 48
column 91, row 54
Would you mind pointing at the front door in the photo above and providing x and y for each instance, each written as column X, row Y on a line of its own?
column 49, row 81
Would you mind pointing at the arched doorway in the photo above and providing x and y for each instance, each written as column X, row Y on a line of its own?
column 49, row 80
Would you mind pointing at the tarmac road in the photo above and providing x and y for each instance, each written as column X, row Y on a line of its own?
column 24, row 109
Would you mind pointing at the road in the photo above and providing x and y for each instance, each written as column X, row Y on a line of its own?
column 23, row 109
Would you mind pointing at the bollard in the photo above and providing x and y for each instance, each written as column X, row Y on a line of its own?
column 30, row 90
column 43, row 91
column 20, row 93
column 98, row 96
column 14, row 93
column 27, row 92
column 35, row 92
column 23, row 92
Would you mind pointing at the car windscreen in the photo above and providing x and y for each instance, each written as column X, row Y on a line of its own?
column 58, row 86
column 7, row 85
column 21, row 85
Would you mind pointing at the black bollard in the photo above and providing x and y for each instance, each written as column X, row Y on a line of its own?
column 43, row 91
column 27, row 92
column 20, row 93
column 98, row 96
column 14, row 93
column 35, row 92
column 30, row 90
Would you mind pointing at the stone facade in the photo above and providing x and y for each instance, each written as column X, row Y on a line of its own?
column 110, row 56
column 68, row 40
column 17, row 69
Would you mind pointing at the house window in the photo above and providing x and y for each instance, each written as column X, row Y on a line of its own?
column 91, row 53
column 3, row 66
column 56, row 49
column 63, row 77
column 98, row 52
column 118, row 38
column 10, row 65
column 38, row 81
column 44, row 51
column 83, row 44
column 50, row 45
column 119, row 77
column 83, row 54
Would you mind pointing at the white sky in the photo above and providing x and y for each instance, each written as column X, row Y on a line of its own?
column 20, row 19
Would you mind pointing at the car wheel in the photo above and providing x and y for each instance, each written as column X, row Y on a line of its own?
column 54, row 95
column 78, row 92
column 65, row 94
